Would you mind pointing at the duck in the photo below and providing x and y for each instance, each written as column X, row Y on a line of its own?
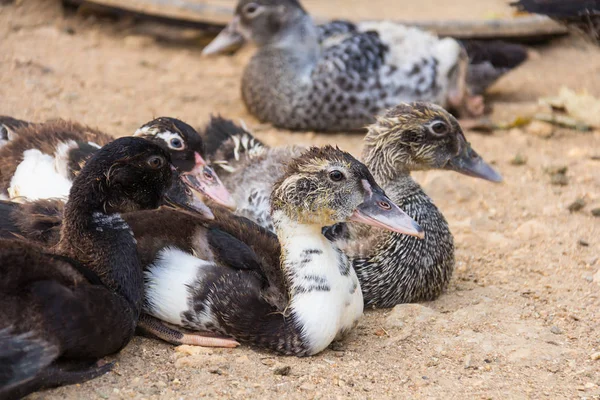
column 82, row 300
column 579, row 15
column 42, row 159
column 229, row 292
column 340, row 76
column 391, row 268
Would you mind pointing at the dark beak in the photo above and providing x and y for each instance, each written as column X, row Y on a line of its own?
column 227, row 38
column 470, row 163
column 378, row 210
column 203, row 179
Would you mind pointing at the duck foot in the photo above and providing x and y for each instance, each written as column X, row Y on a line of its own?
column 157, row 328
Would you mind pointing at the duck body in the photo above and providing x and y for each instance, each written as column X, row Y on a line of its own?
column 228, row 299
column 84, row 297
column 42, row 160
column 340, row 76
column 391, row 267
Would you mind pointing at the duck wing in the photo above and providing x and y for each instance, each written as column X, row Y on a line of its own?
column 488, row 60
column 38, row 221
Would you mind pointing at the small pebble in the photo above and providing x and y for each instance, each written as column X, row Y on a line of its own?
column 283, row 371
column 583, row 243
column 519, row 159
column 556, row 330
column 595, row 356
column 596, row 212
column 559, row 179
column 576, row 205
column 540, row 129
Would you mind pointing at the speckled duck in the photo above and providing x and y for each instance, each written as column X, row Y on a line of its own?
column 341, row 75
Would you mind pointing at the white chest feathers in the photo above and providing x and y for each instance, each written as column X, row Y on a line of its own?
column 326, row 297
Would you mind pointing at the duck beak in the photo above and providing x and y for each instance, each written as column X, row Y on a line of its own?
column 227, row 38
column 203, row 179
column 180, row 196
column 470, row 163
column 378, row 210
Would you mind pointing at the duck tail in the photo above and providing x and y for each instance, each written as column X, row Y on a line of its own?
column 22, row 358
column 581, row 15
column 489, row 60
column 228, row 143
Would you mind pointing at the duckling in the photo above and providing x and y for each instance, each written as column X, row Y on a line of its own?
column 43, row 159
column 579, row 15
column 392, row 268
column 82, row 302
column 341, row 75
column 199, row 290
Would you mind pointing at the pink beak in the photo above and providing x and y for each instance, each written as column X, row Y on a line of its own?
column 204, row 179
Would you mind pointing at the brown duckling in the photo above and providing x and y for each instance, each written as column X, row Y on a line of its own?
column 83, row 300
column 392, row 268
column 43, row 159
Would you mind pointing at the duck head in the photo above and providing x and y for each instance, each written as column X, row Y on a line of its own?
column 128, row 174
column 262, row 22
column 325, row 186
column 187, row 154
column 422, row 136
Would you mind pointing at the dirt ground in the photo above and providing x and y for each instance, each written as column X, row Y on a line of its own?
column 521, row 318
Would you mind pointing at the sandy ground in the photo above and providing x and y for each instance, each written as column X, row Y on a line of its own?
column 521, row 316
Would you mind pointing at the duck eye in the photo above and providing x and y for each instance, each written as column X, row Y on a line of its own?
column 156, row 162
column 439, row 128
column 175, row 143
column 336, row 175
column 251, row 10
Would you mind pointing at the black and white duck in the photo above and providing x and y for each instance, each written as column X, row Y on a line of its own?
column 339, row 76
column 42, row 159
column 579, row 15
column 83, row 299
column 392, row 268
column 189, row 284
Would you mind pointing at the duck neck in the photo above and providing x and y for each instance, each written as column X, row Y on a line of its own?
column 325, row 297
column 301, row 38
column 385, row 171
column 101, row 240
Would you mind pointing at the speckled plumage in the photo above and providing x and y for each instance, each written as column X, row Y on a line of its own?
column 391, row 267
column 339, row 76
